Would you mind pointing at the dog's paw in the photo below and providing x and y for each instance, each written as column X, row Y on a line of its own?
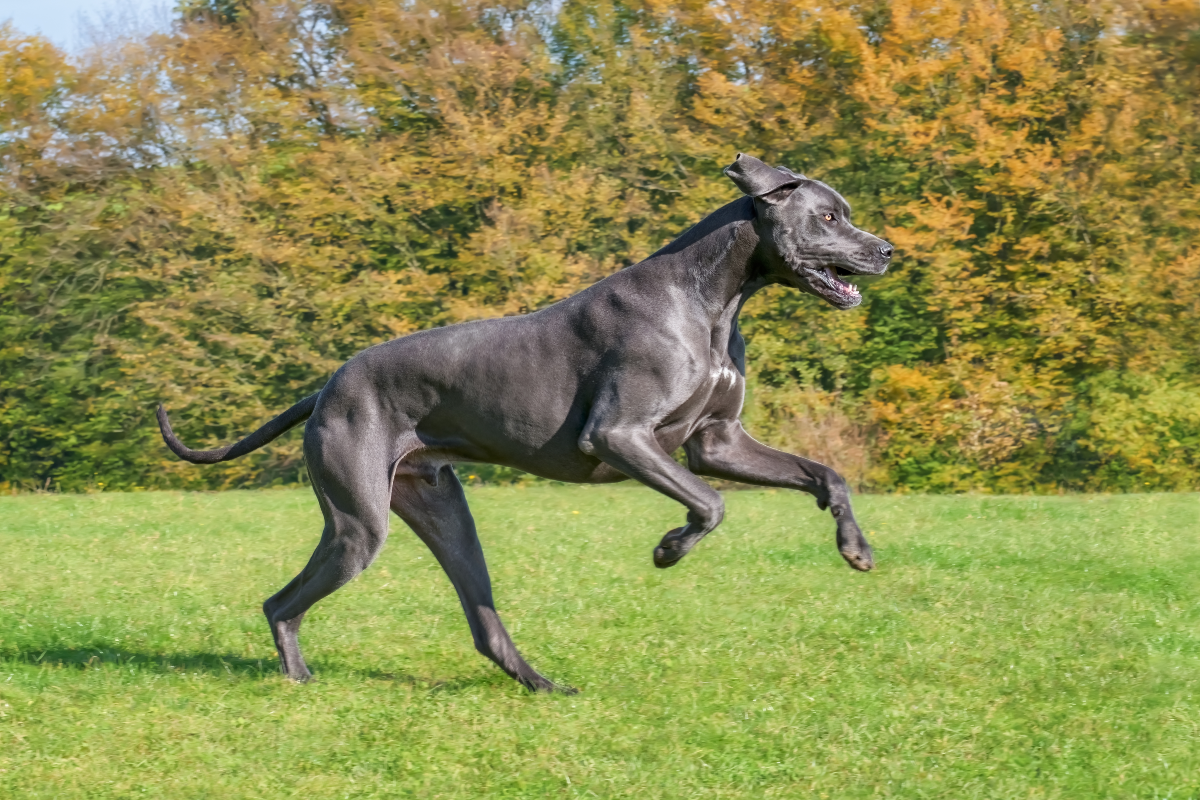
column 672, row 548
column 301, row 675
column 540, row 684
column 857, row 553
column 853, row 546
column 861, row 560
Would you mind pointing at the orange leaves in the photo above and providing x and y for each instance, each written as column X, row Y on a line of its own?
column 226, row 211
column 33, row 73
column 35, row 80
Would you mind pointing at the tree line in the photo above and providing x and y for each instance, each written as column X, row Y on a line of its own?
column 217, row 215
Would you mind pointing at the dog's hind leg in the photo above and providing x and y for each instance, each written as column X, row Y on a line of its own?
column 436, row 509
column 354, row 500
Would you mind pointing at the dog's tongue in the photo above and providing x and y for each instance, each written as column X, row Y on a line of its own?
column 841, row 285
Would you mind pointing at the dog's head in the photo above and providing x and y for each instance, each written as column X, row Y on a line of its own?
column 806, row 233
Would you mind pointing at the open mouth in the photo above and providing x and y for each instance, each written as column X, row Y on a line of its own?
column 847, row 290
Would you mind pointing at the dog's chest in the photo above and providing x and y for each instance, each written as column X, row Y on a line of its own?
column 724, row 376
column 722, row 394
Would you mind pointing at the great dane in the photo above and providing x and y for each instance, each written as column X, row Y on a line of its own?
column 597, row 388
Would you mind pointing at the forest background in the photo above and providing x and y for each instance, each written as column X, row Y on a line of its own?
column 215, row 217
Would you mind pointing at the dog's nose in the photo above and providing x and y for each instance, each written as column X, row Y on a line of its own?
column 886, row 250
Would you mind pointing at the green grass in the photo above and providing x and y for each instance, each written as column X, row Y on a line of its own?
column 1005, row 647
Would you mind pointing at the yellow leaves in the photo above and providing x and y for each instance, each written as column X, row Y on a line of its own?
column 986, row 30
column 32, row 73
column 934, row 222
column 835, row 24
column 1138, row 421
column 898, row 385
column 821, row 425
column 283, row 194
column 729, row 106
column 971, row 414
column 35, row 78
column 1032, row 57
column 516, row 263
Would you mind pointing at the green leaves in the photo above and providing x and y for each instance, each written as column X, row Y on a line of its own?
column 217, row 217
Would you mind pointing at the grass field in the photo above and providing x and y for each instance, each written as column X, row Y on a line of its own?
column 1004, row 647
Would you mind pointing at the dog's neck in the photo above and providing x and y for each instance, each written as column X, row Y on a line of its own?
column 716, row 260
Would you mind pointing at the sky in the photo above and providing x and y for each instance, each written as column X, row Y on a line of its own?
column 61, row 21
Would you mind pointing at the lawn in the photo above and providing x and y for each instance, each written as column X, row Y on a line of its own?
column 1005, row 647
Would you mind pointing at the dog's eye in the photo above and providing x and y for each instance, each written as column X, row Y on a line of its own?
column 829, row 217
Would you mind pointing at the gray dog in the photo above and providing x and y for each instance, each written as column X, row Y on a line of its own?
column 598, row 388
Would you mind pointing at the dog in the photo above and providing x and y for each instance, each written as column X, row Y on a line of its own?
column 600, row 387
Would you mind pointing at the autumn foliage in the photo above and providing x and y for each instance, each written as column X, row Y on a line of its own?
column 217, row 216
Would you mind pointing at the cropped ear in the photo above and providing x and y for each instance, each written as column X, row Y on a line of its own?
column 756, row 179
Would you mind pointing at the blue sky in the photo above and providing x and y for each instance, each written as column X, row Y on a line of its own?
column 59, row 20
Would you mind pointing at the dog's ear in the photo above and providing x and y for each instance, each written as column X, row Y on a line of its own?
column 757, row 179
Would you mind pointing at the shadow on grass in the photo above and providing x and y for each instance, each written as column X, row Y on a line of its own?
column 100, row 655
column 436, row 685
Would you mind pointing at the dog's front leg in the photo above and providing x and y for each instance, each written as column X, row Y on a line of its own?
column 636, row 453
column 724, row 450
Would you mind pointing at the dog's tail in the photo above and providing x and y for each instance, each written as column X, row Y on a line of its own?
column 276, row 427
